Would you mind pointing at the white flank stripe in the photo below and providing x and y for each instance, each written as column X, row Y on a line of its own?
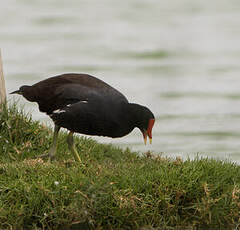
column 59, row 111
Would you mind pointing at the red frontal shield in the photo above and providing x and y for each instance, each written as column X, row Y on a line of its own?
column 149, row 130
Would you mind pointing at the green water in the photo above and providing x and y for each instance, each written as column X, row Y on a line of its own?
column 180, row 58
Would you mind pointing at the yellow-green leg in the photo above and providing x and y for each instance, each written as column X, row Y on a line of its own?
column 72, row 147
column 52, row 151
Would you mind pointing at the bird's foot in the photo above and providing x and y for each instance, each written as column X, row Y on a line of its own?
column 72, row 147
column 49, row 155
column 52, row 151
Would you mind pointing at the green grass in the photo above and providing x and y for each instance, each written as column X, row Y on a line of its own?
column 115, row 189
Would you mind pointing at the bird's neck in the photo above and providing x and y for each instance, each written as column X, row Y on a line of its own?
column 132, row 114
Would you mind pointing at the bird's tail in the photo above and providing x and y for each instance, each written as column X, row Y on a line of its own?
column 16, row 92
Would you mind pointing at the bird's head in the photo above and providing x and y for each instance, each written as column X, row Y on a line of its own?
column 147, row 131
column 144, row 119
column 146, row 125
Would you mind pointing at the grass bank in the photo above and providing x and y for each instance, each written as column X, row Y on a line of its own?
column 115, row 189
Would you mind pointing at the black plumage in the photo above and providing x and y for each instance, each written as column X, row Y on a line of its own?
column 85, row 104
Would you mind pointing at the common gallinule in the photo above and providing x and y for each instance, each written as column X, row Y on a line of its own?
column 85, row 104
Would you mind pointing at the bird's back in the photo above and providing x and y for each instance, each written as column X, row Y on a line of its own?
column 59, row 91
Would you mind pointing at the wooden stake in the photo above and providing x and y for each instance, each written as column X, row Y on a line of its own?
column 2, row 83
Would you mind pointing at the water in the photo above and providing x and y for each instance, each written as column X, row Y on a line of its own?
column 179, row 57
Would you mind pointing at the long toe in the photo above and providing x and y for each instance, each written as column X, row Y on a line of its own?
column 72, row 147
column 52, row 151
column 50, row 156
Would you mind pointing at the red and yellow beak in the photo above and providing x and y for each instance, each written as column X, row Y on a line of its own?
column 148, row 132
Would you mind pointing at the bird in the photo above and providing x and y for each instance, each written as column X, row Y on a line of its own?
column 84, row 104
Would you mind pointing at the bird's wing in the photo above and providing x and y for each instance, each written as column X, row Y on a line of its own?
column 81, row 92
column 77, row 93
column 83, row 117
column 57, row 92
column 77, row 86
column 64, row 95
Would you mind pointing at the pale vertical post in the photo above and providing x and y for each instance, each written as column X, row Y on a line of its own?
column 2, row 83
